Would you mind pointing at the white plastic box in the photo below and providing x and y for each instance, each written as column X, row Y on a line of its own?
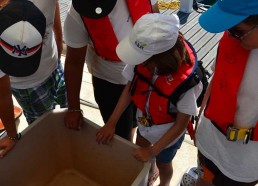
column 49, row 154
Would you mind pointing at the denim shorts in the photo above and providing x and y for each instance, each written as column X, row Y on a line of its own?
column 167, row 155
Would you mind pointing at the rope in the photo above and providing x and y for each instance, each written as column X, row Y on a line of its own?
column 173, row 5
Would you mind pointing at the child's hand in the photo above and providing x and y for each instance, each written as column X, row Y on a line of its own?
column 105, row 134
column 142, row 154
column 73, row 120
column 6, row 145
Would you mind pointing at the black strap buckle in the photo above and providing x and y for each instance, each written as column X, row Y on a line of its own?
column 247, row 136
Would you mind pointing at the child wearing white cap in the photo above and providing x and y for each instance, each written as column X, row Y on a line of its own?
column 159, row 62
column 92, row 30
column 227, row 136
column 30, row 67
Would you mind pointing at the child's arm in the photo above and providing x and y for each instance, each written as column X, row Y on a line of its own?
column 73, row 72
column 144, row 154
column 57, row 28
column 155, row 8
column 7, row 116
column 106, row 133
column 177, row 129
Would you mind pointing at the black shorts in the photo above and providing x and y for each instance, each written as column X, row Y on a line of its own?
column 107, row 95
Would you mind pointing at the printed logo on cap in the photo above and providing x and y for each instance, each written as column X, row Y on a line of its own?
column 140, row 44
column 22, row 30
column 18, row 44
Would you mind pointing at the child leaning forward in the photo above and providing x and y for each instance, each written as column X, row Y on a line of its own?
column 159, row 60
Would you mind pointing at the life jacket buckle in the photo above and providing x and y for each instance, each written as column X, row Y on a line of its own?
column 234, row 134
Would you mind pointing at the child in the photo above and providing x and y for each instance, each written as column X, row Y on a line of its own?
column 30, row 68
column 159, row 60
column 227, row 134
column 94, row 35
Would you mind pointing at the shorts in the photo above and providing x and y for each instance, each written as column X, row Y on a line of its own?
column 167, row 155
column 107, row 95
column 208, row 171
column 44, row 97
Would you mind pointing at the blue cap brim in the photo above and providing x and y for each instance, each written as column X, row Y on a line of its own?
column 215, row 20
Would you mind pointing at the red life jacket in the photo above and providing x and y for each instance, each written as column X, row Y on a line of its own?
column 102, row 33
column 230, row 66
column 163, row 88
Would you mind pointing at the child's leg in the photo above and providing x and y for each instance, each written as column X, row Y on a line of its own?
column 154, row 172
column 164, row 162
column 165, row 173
column 141, row 141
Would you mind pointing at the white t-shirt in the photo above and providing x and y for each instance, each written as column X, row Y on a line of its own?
column 76, row 36
column 186, row 105
column 236, row 160
column 49, row 56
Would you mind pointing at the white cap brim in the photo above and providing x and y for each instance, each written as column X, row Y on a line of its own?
column 128, row 54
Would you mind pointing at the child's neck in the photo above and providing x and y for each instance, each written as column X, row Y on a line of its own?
column 151, row 67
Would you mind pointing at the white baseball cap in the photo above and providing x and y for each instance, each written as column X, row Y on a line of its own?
column 152, row 34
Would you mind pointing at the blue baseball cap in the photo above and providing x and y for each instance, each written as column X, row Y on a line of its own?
column 225, row 14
